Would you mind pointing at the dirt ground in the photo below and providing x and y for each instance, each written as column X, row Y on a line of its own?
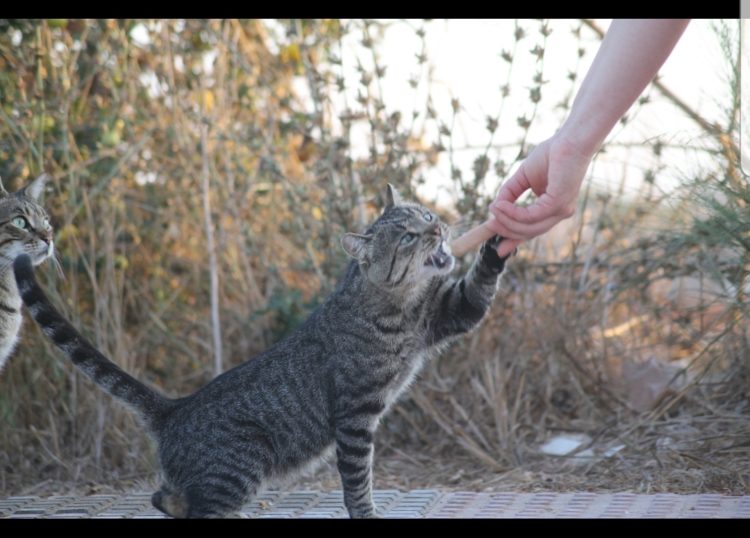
column 665, row 472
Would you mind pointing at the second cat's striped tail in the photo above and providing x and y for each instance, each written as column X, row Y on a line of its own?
column 150, row 404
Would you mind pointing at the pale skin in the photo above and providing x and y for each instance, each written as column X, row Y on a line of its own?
column 629, row 57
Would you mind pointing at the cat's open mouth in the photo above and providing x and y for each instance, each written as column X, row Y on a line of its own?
column 440, row 258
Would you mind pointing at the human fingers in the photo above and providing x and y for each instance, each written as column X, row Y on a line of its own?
column 507, row 246
column 507, row 227
column 514, row 187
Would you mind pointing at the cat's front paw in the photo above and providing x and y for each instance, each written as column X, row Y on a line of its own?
column 363, row 512
column 364, row 515
column 489, row 254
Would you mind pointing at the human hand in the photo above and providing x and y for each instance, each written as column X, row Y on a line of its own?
column 554, row 171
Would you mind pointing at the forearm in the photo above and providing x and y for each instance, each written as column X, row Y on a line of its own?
column 629, row 57
column 462, row 304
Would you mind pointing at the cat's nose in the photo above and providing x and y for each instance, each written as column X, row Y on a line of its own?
column 435, row 230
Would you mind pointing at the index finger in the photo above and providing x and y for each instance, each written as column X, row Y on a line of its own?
column 544, row 207
column 512, row 189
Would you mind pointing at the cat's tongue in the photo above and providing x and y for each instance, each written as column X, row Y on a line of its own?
column 440, row 258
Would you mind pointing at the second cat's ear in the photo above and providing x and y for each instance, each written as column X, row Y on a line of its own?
column 355, row 245
column 392, row 197
column 35, row 189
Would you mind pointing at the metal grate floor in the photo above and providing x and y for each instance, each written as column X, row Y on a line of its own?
column 413, row 504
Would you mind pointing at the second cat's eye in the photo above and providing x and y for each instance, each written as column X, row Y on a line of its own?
column 20, row 222
column 408, row 238
column 428, row 217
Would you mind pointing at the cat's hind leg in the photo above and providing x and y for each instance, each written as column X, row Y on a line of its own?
column 215, row 501
column 177, row 506
column 171, row 503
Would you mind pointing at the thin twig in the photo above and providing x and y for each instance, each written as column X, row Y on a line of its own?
column 212, row 261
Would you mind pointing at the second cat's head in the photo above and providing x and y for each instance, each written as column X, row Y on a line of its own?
column 408, row 244
column 24, row 224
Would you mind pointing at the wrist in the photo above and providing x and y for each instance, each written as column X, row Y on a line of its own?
column 574, row 141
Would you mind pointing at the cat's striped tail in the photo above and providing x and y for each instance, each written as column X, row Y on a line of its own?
column 151, row 405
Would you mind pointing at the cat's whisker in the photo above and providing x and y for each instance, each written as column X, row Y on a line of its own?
column 55, row 261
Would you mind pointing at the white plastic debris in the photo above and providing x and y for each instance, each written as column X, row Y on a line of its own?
column 562, row 445
column 568, row 444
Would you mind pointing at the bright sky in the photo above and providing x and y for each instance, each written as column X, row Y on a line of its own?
column 465, row 58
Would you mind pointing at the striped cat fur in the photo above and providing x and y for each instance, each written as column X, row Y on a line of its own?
column 324, row 387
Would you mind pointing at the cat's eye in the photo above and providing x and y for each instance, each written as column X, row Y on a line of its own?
column 408, row 238
column 428, row 217
column 20, row 222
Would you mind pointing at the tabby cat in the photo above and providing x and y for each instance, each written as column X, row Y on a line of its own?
column 325, row 386
column 24, row 228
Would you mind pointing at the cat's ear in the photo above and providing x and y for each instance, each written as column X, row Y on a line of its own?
column 392, row 197
column 35, row 189
column 355, row 245
column 3, row 192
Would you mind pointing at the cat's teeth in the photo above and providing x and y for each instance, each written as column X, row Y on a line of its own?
column 441, row 258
